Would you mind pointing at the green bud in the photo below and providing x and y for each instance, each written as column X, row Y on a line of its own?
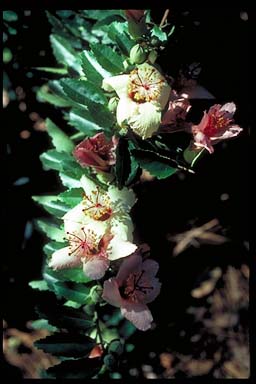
column 96, row 293
column 152, row 56
column 116, row 347
column 112, row 104
column 137, row 54
column 109, row 361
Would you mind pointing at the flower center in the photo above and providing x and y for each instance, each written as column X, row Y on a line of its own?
column 83, row 244
column 145, row 85
column 97, row 205
column 136, row 286
column 217, row 121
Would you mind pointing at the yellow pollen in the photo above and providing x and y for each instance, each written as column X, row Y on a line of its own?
column 97, row 205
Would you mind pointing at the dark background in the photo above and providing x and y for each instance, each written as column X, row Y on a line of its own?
column 218, row 39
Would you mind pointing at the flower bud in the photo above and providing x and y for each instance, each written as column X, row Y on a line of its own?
column 152, row 56
column 137, row 54
column 112, row 104
column 95, row 293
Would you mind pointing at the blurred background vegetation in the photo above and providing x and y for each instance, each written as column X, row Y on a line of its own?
column 197, row 334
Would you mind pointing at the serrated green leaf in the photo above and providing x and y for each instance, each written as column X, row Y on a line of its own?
column 54, row 21
column 82, row 90
column 84, row 122
column 159, row 33
column 102, row 116
column 64, row 52
column 51, row 230
column 60, row 140
column 53, row 246
column 52, row 204
column 92, row 69
column 75, row 369
column 72, row 274
column 62, row 162
column 71, row 291
column 39, row 284
column 43, row 95
column 43, row 324
column 69, row 181
column 66, row 344
column 108, row 58
column 107, row 20
column 102, row 14
column 154, row 163
column 72, row 197
column 118, row 32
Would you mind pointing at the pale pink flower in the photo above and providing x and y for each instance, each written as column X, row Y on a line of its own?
column 134, row 286
column 216, row 124
column 96, row 152
column 91, row 251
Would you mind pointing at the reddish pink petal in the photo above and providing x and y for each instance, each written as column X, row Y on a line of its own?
column 138, row 314
column 111, row 293
column 202, row 141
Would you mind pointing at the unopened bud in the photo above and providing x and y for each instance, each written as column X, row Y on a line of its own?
column 137, row 54
column 112, row 104
column 96, row 293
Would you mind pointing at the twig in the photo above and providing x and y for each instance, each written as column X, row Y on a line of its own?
column 164, row 17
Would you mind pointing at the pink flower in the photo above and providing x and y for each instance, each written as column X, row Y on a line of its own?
column 216, row 125
column 177, row 110
column 134, row 286
column 96, row 152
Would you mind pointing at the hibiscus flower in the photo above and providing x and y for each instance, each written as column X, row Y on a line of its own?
column 216, row 125
column 133, row 288
column 96, row 152
column 143, row 95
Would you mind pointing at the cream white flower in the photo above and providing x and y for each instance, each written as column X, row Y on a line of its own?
column 99, row 229
column 143, row 95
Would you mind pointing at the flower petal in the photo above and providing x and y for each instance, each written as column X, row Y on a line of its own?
column 230, row 108
column 88, row 185
column 153, row 293
column 232, row 131
column 96, row 267
column 75, row 218
column 202, row 141
column 111, row 293
column 129, row 265
column 117, row 83
column 138, row 314
column 148, row 119
column 125, row 109
column 122, row 226
column 61, row 259
column 125, row 196
column 151, row 267
column 120, row 248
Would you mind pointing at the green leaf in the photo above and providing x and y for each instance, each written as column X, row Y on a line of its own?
column 58, row 71
column 72, row 291
column 66, row 345
column 59, row 139
column 72, row 197
column 39, row 284
column 55, row 22
column 75, row 369
column 43, row 94
column 68, row 180
column 191, row 156
column 51, row 230
column 64, row 52
column 92, row 69
column 84, row 122
column 61, row 161
column 102, row 116
column 52, row 204
column 102, row 14
column 82, row 90
column 43, row 324
column 107, row 20
column 53, row 246
column 118, row 32
column 108, row 58
column 72, row 274
column 159, row 33
column 10, row 16
column 154, row 163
